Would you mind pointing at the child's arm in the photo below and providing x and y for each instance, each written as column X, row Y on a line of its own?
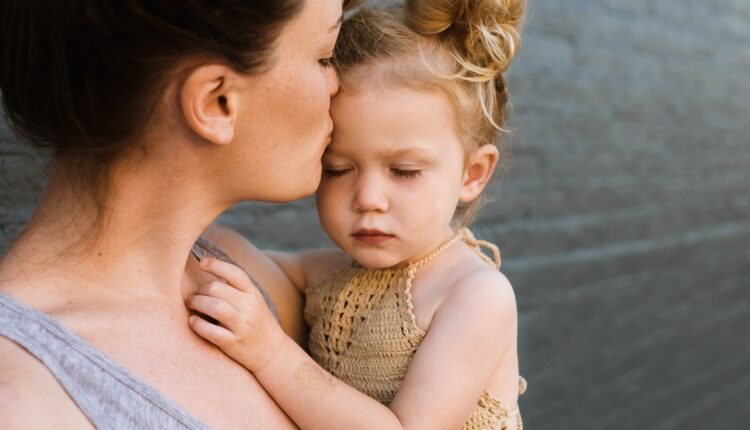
column 308, row 267
column 468, row 336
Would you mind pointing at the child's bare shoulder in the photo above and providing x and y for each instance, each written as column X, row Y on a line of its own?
column 486, row 287
column 479, row 309
column 484, row 293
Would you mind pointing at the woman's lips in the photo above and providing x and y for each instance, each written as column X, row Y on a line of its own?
column 371, row 236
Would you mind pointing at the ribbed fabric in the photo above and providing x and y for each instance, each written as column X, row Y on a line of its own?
column 363, row 330
column 109, row 396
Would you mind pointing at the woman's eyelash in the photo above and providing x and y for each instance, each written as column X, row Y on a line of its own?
column 330, row 173
column 409, row 174
column 326, row 62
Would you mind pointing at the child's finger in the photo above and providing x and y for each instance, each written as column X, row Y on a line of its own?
column 225, row 292
column 215, row 308
column 213, row 333
column 229, row 272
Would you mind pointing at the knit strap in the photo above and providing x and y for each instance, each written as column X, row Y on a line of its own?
column 419, row 263
column 477, row 244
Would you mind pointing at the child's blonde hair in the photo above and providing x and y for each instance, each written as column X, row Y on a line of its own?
column 458, row 47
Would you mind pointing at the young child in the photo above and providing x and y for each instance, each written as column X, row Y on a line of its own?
column 412, row 326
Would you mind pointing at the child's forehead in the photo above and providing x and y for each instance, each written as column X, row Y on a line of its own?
column 391, row 122
column 390, row 149
column 392, row 104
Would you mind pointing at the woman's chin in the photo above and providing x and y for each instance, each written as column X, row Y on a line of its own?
column 280, row 195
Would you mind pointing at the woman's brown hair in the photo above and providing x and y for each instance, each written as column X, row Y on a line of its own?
column 82, row 77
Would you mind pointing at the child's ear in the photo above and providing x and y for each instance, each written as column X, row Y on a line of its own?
column 479, row 169
column 209, row 100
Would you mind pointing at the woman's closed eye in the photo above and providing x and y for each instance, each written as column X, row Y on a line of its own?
column 335, row 172
column 326, row 62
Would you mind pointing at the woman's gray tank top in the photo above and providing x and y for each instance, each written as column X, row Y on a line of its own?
column 105, row 392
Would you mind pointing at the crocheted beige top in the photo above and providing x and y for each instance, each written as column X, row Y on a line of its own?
column 363, row 330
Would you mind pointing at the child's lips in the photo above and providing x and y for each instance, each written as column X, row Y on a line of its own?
column 371, row 236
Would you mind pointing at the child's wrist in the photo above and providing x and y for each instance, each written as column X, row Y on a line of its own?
column 271, row 349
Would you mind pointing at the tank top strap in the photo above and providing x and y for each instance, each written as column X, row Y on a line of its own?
column 109, row 396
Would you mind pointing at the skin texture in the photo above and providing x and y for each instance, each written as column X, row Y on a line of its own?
column 217, row 138
column 466, row 307
column 383, row 171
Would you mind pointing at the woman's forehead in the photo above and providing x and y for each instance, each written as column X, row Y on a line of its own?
column 317, row 19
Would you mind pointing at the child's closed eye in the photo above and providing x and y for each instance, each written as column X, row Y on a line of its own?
column 406, row 173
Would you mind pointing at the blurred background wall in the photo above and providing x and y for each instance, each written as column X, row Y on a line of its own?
column 624, row 218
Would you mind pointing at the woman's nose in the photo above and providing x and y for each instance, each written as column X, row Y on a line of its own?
column 370, row 195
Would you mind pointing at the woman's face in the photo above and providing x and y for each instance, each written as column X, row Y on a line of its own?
column 283, row 121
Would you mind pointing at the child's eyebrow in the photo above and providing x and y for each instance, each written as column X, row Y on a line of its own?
column 422, row 154
column 419, row 154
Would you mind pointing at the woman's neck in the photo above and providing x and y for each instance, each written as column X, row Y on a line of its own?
column 150, row 221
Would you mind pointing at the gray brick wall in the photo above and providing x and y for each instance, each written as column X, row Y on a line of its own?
column 624, row 217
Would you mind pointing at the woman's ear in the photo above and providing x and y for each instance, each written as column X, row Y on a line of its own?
column 209, row 101
column 479, row 169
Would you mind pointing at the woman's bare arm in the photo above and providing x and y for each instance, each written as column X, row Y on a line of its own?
column 30, row 397
column 307, row 268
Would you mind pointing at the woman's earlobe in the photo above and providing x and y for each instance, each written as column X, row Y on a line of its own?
column 479, row 169
column 208, row 100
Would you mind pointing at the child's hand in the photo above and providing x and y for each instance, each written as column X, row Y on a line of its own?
column 247, row 331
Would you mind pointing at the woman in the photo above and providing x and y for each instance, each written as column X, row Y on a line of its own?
column 161, row 115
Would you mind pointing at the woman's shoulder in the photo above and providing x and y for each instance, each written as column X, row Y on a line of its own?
column 282, row 291
column 240, row 249
column 229, row 241
column 322, row 263
column 30, row 396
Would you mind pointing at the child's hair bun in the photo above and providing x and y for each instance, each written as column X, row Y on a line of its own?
column 483, row 35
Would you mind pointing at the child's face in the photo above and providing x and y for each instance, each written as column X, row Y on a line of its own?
column 392, row 175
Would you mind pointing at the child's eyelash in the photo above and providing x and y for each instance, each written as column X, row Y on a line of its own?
column 401, row 173
column 409, row 174
column 326, row 62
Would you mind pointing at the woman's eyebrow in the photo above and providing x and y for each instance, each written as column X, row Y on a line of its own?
column 336, row 26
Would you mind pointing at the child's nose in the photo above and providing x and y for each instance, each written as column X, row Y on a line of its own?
column 369, row 195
